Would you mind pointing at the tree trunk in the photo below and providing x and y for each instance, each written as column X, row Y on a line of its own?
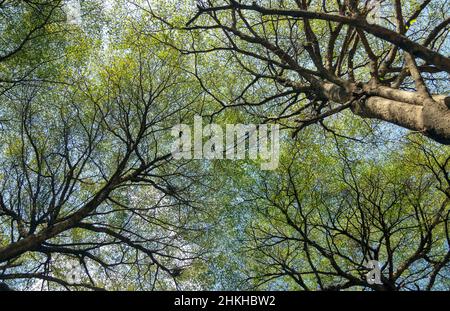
column 410, row 110
column 431, row 119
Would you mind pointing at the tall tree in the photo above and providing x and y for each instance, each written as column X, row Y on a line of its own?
column 379, row 59
column 331, row 210
column 89, row 196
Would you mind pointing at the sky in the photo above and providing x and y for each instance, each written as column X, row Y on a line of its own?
column 73, row 11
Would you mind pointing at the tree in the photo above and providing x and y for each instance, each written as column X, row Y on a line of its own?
column 31, row 18
column 324, row 57
column 317, row 223
column 26, row 27
column 89, row 196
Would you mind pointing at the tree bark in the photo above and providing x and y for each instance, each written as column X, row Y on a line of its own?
column 411, row 110
column 431, row 119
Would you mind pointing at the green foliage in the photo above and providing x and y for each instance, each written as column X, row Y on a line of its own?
column 119, row 81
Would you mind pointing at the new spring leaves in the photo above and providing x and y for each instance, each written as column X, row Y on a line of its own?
column 212, row 142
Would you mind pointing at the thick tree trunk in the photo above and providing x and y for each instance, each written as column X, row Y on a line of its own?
column 410, row 110
column 431, row 119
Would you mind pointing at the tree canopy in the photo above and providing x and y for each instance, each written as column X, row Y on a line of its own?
column 91, row 197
